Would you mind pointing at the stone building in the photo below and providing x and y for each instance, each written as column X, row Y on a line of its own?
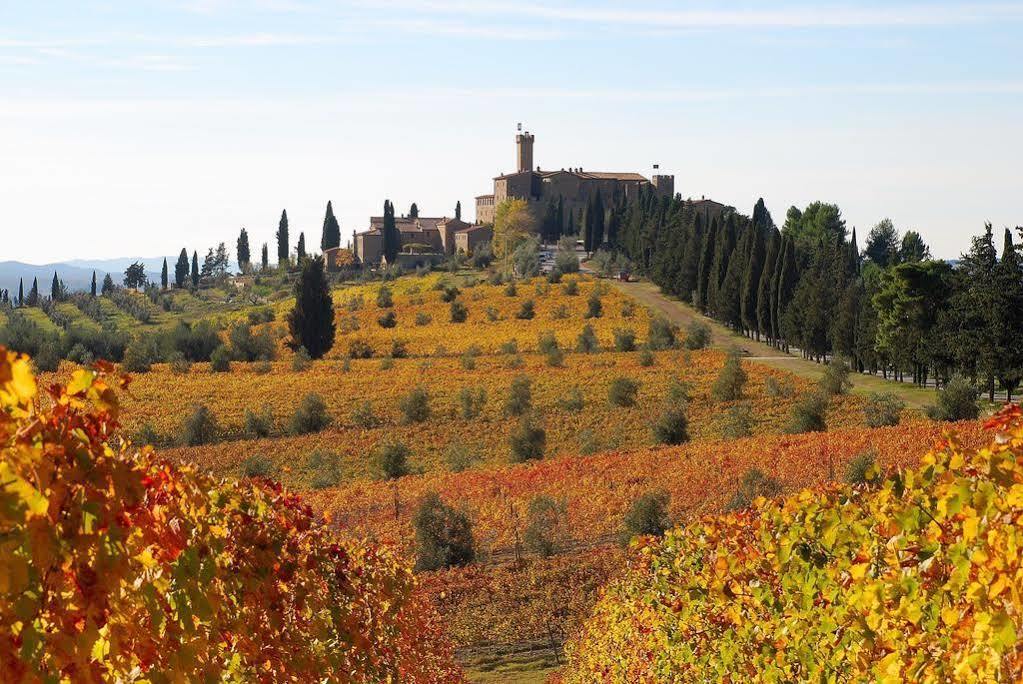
column 421, row 235
column 573, row 186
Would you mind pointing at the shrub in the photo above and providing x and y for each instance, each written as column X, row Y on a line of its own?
column 510, row 290
column 526, row 311
column 622, row 392
column 883, row 408
column 385, row 300
column 139, row 356
column 359, row 349
column 300, row 361
column 515, row 361
column 625, row 339
column 697, row 335
column 510, row 347
column 671, row 427
column 731, row 379
column 468, row 360
column 565, row 259
column 527, row 441
column 836, row 377
column 554, row 276
column 220, row 360
column 247, row 346
column 555, row 358
column 754, row 483
column 738, row 422
column 808, row 414
column 660, row 334
column 399, row 350
column 594, row 309
column 415, row 406
column 443, row 535
column 388, row 320
column 782, row 388
column 310, row 416
column 147, row 434
column 547, row 342
column 458, row 312
column 257, row 465
column 570, row 288
column 259, row 425
column 449, row 294
column 573, row 401
column 648, row 515
column 423, row 318
column 679, row 392
column 646, row 358
column 392, row 461
column 587, row 341
column 460, row 457
column 520, row 396
column 545, row 526
column 958, row 401
column 179, row 365
column 200, row 427
column 471, row 402
column 364, row 417
column 323, row 469
column 861, row 469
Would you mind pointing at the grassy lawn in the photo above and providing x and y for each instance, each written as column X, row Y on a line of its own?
column 516, row 668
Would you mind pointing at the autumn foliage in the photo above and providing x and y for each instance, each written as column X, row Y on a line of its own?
column 916, row 576
column 117, row 566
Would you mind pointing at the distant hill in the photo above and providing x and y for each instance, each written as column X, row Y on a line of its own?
column 77, row 273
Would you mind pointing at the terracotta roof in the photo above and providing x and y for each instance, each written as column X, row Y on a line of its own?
column 406, row 224
column 590, row 175
column 472, row 229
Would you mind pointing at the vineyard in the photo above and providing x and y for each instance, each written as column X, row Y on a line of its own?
column 913, row 576
column 116, row 565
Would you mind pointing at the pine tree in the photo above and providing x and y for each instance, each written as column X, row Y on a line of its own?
column 265, row 258
column 311, row 322
column 195, row 270
column 764, row 286
column 882, row 244
column 391, row 238
column 181, row 269
column 283, row 246
column 413, row 211
column 300, row 248
column 458, row 210
column 331, row 230
column 164, row 275
column 92, row 289
column 707, row 250
column 244, row 254
column 55, row 288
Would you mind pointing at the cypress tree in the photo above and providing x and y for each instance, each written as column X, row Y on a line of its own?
column 754, row 268
column 391, row 238
column 853, row 265
column 244, row 254
column 458, row 210
column 413, row 211
column 729, row 295
column 723, row 248
column 283, row 245
column 706, row 262
column 570, row 228
column 300, row 248
column 265, row 258
column 764, row 286
column 55, row 288
column 561, row 216
column 33, row 294
column 690, row 270
column 597, row 239
column 92, row 289
column 1008, row 317
column 331, row 230
column 195, row 270
column 311, row 322
column 21, row 291
column 614, row 220
column 784, row 286
column 164, row 276
column 181, row 269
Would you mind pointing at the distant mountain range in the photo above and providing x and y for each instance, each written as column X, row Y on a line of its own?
column 76, row 273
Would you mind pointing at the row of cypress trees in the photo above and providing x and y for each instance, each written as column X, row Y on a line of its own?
column 891, row 309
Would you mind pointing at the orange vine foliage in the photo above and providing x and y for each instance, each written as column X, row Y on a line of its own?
column 913, row 577
column 116, row 566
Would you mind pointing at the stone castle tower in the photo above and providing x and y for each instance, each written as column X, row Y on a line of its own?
column 524, row 144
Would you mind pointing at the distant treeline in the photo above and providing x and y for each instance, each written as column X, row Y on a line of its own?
column 890, row 308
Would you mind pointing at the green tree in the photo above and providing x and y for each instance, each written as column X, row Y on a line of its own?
column 765, row 295
column 92, row 288
column 883, row 244
column 300, row 247
column 134, row 276
column 913, row 247
column 265, row 258
column 311, row 321
column 164, row 276
column 195, row 269
column 283, row 246
column 443, row 535
column 390, row 237
column 55, row 289
column 331, row 236
column 1008, row 317
column 181, row 269
column 33, row 294
column 458, row 210
column 758, row 236
column 413, row 211
column 244, row 254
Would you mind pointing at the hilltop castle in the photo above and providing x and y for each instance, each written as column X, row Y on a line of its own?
column 573, row 186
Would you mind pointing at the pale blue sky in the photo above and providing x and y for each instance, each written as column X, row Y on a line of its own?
column 136, row 128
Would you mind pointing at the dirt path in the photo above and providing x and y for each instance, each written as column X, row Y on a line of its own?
column 682, row 314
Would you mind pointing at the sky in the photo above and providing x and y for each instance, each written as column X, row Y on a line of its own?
column 138, row 128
